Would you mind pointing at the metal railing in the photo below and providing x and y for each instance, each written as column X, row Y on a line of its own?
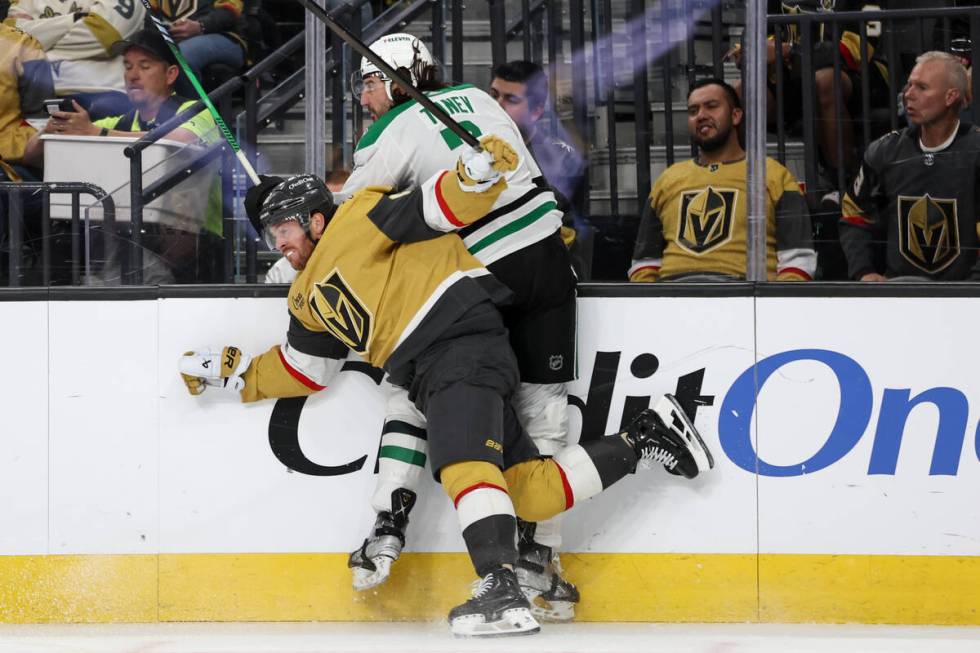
column 620, row 106
column 14, row 194
column 890, row 21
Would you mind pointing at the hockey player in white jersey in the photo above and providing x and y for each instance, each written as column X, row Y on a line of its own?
column 519, row 242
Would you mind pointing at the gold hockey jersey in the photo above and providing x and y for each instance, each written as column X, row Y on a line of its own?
column 384, row 281
column 695, row 222
column 16, row 48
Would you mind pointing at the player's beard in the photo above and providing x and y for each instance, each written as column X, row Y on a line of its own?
column 716, row 142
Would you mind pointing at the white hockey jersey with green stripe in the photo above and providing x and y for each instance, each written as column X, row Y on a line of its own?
column 407, row 145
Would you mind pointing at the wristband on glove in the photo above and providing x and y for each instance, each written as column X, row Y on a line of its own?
column 223, row 369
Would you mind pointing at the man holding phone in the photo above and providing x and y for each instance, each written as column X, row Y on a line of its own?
column 150, row 72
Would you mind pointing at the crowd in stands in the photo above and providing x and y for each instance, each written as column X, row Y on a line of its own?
column 903, row 207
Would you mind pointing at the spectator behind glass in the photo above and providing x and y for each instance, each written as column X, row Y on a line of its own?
column 917, row 188
column 695, row 224
column 830, row 126
column 150, row 72
column 77, row 39
column 521, row 89
column 208, row 31
column 16, row 49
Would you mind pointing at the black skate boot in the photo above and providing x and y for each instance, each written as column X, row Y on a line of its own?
column 498, row 608
column 665, row 434
column 371, row 564
column 538, row 570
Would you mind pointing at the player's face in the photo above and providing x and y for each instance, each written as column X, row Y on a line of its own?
column 292, row 242
column 374, row 98
column 512, row 98
column 710, row 117
column 147, row 78
column 928, row 96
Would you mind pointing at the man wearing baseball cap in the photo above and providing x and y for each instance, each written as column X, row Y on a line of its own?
column 150, row 72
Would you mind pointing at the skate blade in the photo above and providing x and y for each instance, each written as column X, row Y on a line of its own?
column 512, row 623
column 667, row 408
column 365, row 579
column 554, row 611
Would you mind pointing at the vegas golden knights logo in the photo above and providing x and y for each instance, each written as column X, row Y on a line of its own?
column 706, row 218
column 172, row 10
column 339, row 309
column 928, row 233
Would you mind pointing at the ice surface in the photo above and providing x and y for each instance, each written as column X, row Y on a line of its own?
column 435, row 638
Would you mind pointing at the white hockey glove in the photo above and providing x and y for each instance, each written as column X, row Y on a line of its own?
column 479, row 170
column 221, row 369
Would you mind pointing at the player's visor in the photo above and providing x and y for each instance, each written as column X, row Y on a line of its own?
column 272, row 231
column 369, row 82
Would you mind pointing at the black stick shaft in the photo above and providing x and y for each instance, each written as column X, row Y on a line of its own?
column 392, row 74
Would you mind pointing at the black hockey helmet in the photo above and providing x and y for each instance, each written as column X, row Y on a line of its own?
column 296, row 198
column 255, row 198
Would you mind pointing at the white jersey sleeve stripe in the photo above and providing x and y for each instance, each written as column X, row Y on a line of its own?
column 436, row 211
column 312, row 371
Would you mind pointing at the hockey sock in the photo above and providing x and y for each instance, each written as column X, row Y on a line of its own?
column 401, row 460
column 485, row 512
column 611, row 457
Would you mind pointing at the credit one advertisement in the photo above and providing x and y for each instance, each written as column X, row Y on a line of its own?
column 837, row 426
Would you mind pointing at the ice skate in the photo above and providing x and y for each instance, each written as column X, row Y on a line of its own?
column 666, row 435
column 552, row 598
column 498, row 609
column 538, row 570
column 371, row 564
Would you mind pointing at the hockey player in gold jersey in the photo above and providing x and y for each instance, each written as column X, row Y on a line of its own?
column 695, row 222
column 381, row 277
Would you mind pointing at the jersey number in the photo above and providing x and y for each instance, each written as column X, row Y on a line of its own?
column 453, row 140
column 125, row 8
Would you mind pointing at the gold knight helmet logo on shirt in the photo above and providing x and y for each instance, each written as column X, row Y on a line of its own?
column 341, row 312
column 173, row 10
column 706, row 217
column 928, row 232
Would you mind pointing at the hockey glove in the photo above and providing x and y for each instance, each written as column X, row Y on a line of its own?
column 222, row 369
column 479, row 170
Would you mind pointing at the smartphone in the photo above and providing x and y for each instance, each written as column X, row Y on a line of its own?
column 58, row 104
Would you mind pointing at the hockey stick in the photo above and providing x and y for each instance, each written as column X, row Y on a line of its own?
column 165, row 33
column 392, row 74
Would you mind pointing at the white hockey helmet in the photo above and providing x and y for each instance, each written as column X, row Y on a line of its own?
column 400, row 51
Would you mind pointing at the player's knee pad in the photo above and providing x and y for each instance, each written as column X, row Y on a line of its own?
column 542, row 409
column 477, row 489
column 403, row 451
column 537, row 489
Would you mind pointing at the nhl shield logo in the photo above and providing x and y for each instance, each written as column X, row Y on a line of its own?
column 706, row 218
column 338, row 308
column 556, row 362
column 928, row 232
